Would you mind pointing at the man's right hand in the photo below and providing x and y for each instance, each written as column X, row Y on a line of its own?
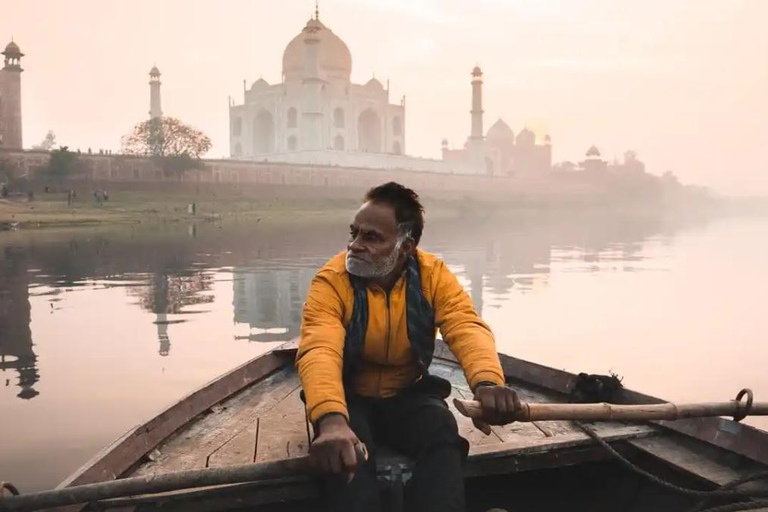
column 333, row 450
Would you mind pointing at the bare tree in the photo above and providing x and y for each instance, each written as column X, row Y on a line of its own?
column 166, row 137
column 48, row 142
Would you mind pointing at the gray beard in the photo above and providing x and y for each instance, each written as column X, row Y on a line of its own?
column 373, row 269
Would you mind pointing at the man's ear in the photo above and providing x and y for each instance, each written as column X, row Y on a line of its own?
column 409, row 247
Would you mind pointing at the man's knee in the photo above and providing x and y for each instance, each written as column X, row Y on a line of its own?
column 437, row 429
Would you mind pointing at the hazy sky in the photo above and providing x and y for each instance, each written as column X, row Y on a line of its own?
column 683, row 82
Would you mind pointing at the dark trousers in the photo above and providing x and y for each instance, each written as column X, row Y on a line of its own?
column 416, row 423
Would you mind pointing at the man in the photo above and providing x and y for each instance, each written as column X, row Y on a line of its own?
column 367, row 337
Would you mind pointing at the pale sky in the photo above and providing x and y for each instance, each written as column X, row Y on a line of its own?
column 682, row 82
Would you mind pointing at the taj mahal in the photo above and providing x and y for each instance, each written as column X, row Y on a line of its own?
column 316, row 115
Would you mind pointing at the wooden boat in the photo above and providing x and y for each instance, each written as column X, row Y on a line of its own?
column 254, row 414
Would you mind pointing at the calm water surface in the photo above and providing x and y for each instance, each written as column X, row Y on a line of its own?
column 99, row 330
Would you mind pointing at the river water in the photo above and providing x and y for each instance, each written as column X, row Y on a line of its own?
column 100, row 329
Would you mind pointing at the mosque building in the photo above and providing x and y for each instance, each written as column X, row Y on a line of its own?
column 499, row 152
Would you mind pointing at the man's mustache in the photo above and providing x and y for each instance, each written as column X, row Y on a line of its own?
column 365, row 259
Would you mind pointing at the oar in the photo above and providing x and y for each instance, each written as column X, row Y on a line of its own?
column 602, row 411
column 152, row 484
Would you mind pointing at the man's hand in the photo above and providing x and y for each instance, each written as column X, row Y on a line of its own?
column 500, row 404
column 333, row 451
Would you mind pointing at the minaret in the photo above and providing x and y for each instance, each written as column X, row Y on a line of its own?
column 477, row 104
column 155, row 110
column 312, row 85
column 10, row 92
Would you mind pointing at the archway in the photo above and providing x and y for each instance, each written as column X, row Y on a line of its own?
column 292, row 118
column 292, row 143
column 369, row 131
column 396, row 149
column 397, row 126
column 338, row 118
column 263, row 133
column 338, row 143
column 238, row 149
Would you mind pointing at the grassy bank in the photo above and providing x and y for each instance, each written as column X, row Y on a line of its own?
column 134, row 207
column 52, row 210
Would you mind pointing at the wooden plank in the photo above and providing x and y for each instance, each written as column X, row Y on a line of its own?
column 467, row 429
column 283, row 431
column 548, row 428
column 240, row 449
column 741, row 439
column 510, row 448
column 689, row 461
column 564, row 450
column 190, row 448
column 129, row 449
column 513, row 432
column 710, row 464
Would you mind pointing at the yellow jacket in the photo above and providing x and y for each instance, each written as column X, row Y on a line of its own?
column 387, row 364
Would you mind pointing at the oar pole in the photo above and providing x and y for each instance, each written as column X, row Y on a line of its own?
column 153, row 484
column 609, row 412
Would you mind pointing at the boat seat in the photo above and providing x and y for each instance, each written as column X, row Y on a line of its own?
column 393, row 470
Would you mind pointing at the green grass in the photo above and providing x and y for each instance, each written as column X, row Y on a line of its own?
column 48, row 210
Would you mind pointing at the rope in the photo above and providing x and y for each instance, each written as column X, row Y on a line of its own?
column 741, row 505
column 726, row 491
column 730, row 485
column 8, row 486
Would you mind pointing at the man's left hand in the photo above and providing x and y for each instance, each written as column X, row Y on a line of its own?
column 500, row 404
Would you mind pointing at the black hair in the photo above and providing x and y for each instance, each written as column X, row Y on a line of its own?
column 409, row 213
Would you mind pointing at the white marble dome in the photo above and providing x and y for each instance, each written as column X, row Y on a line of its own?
column 335, row 58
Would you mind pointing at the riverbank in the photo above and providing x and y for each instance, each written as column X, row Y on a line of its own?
column 141, row 207
column 125, row 208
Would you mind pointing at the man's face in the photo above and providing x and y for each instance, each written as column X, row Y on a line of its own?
column 374, row 250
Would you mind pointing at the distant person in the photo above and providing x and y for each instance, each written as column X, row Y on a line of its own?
column 364, row 361
column 104, row 195
column 69, row 197
column 3, row 191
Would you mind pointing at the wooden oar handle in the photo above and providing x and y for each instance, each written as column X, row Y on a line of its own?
column 473, row 409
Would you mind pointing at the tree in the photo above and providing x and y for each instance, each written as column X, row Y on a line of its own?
column 62, row 164
column 48, row 142
column 166, row 137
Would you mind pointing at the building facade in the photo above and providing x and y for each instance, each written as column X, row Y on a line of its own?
column 316, row 107
column 499, row 152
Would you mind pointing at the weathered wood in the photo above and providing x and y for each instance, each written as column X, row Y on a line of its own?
column 710, row 464
column 528, row 454
column 126, row 451
column 156, row 483
column 283, row 431
column 510, row 432
column 241, row 449
column 478, row 453
column 467, row 429
column 190, row 448
column 530, row 393
column 742, row 439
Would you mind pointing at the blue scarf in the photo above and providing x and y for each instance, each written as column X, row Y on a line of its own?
column 420, row 318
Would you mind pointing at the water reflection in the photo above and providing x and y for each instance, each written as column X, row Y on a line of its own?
column 16, row 351
column 170, row 273
column 270, row 302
